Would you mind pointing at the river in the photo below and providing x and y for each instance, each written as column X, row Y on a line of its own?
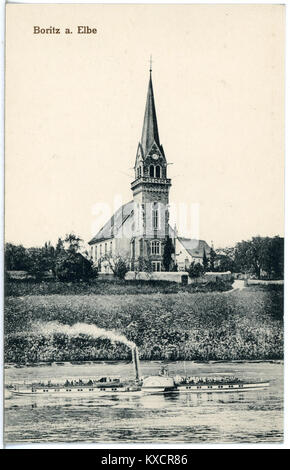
column 241, row 417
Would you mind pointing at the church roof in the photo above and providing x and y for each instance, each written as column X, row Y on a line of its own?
column 150, row 128
column 111, row 228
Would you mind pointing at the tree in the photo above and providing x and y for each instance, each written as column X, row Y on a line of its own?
column 73, row 242
column 118, row 264
column 225, row 263
column 195, row 270
column 59, row 247
column 276, row 257
column 72, row 266
column 261, row 254
column 167, row 253
column 225, row 258
column 38, row 262
column 212, row 259
column 15, row 257
column 143, row 265
column 205, row 260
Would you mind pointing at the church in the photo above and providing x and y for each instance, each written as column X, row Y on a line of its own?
column 139, row 230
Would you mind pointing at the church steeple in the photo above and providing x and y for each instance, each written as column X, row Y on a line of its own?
column 150, row 128
column 150, row 164
column 150, row 191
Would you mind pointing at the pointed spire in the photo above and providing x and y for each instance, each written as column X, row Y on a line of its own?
column 150, row 128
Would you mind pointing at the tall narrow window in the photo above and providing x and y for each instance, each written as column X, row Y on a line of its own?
column 96, row 253
column 141, row 248
column 157, row 170
column 105, row 248
column 111, row 247
column 151, row 170
column 155, row 218
column 133, row 249
column 101, row 250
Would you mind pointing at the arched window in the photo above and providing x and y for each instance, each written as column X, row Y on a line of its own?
column 155, row 247
column 151, row 170
column 111, row 247
column 139, row 172
column 157, row 171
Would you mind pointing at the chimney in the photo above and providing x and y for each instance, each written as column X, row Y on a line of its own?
column 135, row 359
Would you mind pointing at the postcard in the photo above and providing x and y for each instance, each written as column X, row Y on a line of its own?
column 144, row 224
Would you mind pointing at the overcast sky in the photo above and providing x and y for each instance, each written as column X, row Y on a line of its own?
column 75, row 106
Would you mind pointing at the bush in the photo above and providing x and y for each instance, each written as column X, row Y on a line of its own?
column 121, row 268
column 195, row 270
column 72, row 266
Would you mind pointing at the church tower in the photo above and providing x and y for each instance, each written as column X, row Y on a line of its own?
column 150, row 191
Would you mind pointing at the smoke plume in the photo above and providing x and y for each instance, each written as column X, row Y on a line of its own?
column 93, row 331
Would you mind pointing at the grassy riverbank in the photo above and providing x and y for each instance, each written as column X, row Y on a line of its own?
column 166, row 322
column 24, row 287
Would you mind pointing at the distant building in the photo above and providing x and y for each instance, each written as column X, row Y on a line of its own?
column 139, row 229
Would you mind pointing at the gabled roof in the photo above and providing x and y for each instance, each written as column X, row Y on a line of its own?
column 194, row 247
column 111, row 228
column 150, row 128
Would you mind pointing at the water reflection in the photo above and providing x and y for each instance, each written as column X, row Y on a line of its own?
column 204, row 417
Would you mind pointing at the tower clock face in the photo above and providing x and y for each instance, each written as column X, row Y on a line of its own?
column 155, row 156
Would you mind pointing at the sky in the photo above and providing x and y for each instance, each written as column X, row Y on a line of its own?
column 75, row 106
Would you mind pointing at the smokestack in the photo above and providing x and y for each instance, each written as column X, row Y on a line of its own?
column 135, row 359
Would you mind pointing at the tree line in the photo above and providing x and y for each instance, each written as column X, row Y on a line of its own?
column 262, row 257
column 64, row 261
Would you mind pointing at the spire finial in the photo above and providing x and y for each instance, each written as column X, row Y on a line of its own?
column 150, row 70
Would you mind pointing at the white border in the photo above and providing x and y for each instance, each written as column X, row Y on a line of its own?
column 286, row 444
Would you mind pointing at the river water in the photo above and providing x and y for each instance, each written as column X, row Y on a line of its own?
column 239, row 417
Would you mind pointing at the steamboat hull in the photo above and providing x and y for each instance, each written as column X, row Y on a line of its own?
column 63, row 392
column 188, row 388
